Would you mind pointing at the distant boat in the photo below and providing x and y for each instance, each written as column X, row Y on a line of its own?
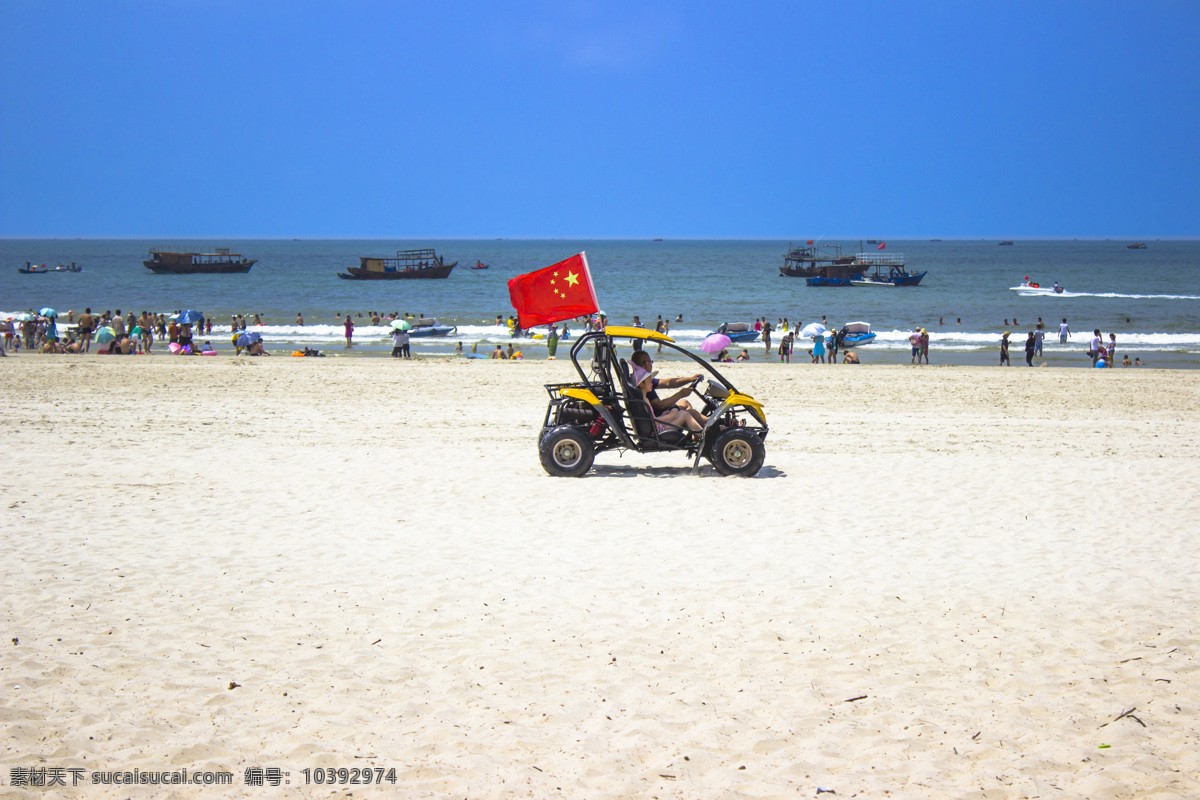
column 479, row 265
column 407, row 264
column 188, row 262
column 1137, row 246
column 935, row 240
column 1004, row 243
column 872, row 241
column 658, row 240
column 34, row 269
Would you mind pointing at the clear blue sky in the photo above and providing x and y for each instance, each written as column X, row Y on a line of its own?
column 691, row 119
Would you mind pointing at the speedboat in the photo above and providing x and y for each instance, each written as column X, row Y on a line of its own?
column 871, row 280
column 430, row 327
column 857, row 333
column 1029, row 287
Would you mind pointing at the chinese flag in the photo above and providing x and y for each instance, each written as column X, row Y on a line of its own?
column 881, row 245
column 561, row 291
column 810, row 241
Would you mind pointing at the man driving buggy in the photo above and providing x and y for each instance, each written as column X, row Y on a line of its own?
column 678, row 400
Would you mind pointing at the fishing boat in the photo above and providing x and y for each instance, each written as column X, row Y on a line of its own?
column 840, row 274
column 1137, row 246
column 189, row 262
column 407, row 264
column 34, row 269
column 807, row 260
column 739, row 331
column 479, row 265
column 1005, row 243
column 430, row 327
column 888, row 270
column 854, row 334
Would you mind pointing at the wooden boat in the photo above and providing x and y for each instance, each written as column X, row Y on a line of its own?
column 1004, row 243
column 1137, row 246
column 189, row 262
column 407, row 264
column 34, row 269
column 807, row 261
column 479, row 265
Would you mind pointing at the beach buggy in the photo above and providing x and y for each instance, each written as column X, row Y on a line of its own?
column 606, row 411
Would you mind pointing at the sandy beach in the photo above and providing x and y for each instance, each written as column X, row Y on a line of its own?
column 950, row 582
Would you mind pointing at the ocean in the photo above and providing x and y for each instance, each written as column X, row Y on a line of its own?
column 1149, row 298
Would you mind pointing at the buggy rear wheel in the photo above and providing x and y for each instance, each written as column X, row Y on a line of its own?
column 738, row 452
column 566, row 452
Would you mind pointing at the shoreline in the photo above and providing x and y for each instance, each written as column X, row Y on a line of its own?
column 877, row 357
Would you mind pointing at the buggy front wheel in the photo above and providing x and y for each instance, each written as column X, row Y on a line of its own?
column 566, row 452
column 738, row 452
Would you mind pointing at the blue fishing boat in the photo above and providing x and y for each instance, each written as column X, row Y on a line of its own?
column 887, row 270
column 836, row 275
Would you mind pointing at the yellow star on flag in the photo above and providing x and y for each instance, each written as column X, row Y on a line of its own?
column 572, row 278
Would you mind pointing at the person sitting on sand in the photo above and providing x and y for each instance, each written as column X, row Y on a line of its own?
column 256, row 349
column 672, row 418
column 744, row 356
column 52, row 346
column 498, row 352
column 642, row 360
column 850, row 357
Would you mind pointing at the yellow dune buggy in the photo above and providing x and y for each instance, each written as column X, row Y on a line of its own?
column 605, row 411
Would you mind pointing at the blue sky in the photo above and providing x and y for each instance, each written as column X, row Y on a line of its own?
column 688, row 119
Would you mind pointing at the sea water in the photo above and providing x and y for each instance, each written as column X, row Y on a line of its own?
column 1149, row 298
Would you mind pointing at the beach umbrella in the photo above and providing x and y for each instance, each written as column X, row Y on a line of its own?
column 189, row 317
column 105, row 335
column 401, row 324
column 812, row 329
column 23, row 316
column 715, row 343
column 48, row 312
column 248, row 338
column 6, row 327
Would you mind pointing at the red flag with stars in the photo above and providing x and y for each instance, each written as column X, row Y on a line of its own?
column 561, row 291
column 881, row 245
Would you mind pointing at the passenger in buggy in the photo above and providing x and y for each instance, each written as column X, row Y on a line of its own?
column 671, row 418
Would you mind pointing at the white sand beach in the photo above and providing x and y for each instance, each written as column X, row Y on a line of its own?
column 946, row 582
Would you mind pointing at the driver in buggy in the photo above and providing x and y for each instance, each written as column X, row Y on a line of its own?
column 664, row 407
